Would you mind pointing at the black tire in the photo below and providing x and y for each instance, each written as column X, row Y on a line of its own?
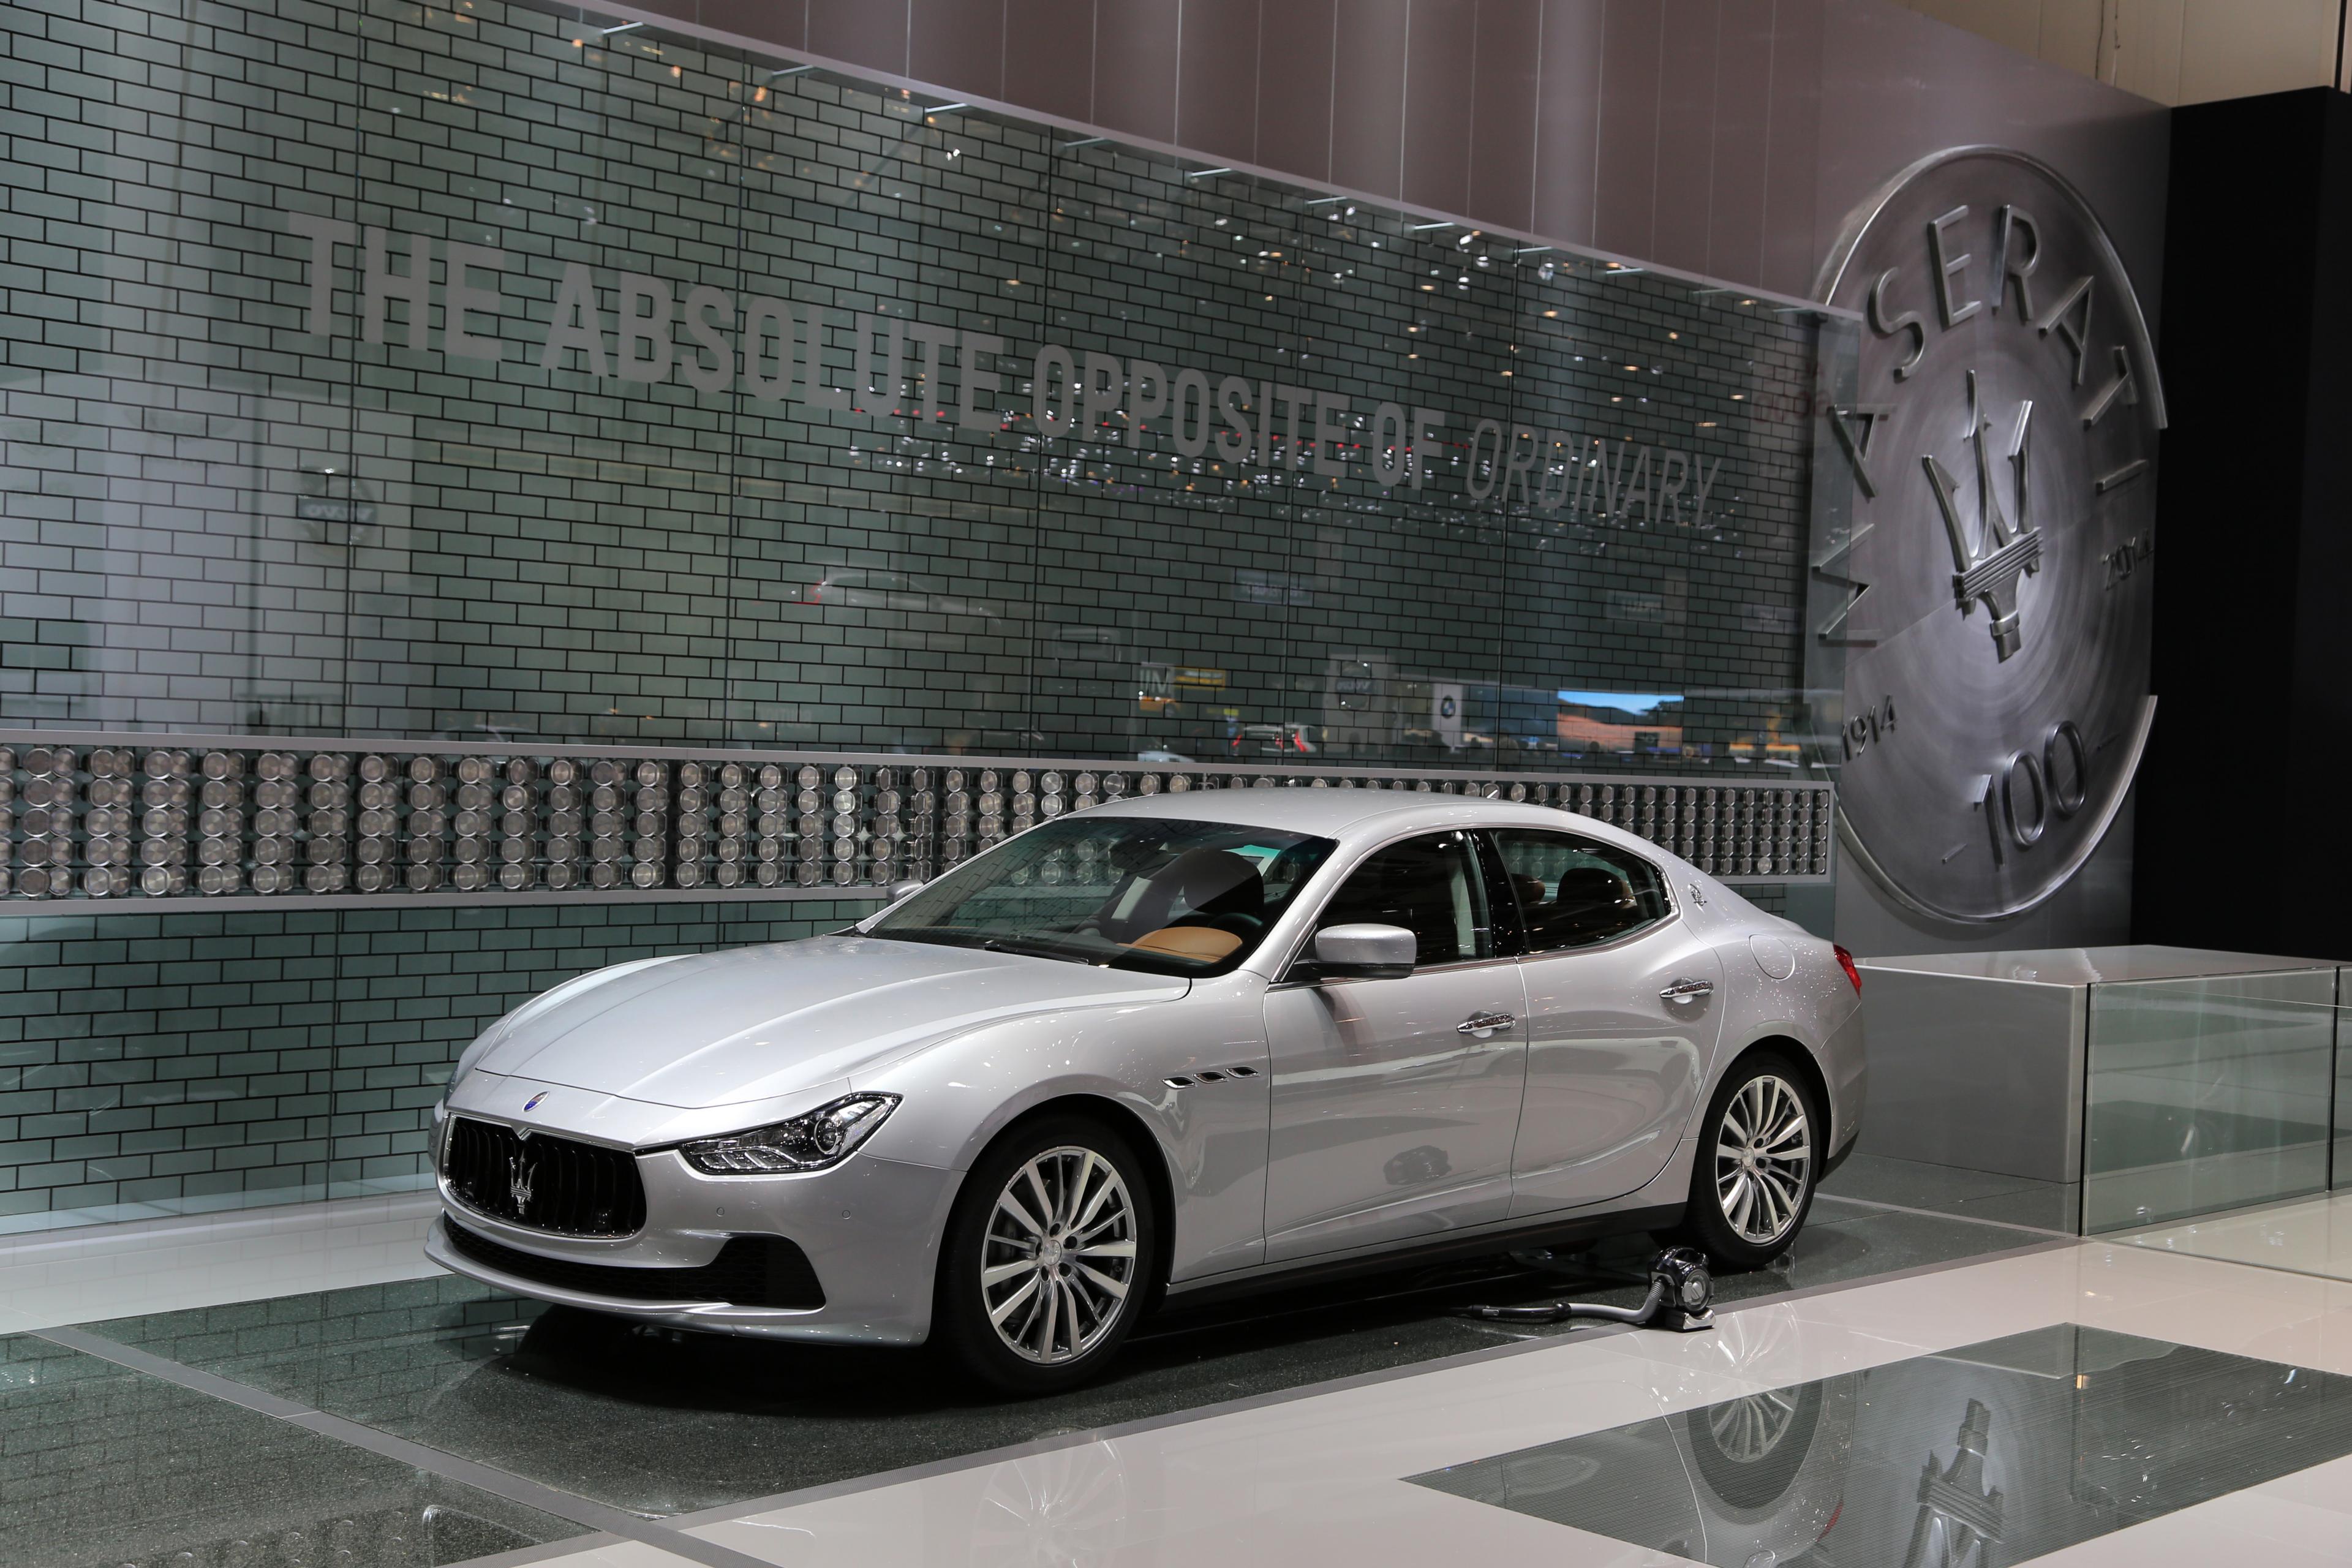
column 1067, row 1323
column 1712, row 1224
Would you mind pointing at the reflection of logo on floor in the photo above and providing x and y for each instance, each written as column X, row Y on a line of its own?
column 1957, row 1514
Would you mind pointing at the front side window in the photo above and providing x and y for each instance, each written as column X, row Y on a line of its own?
column 1577, row 892
column 1130, row 892
column 1430, row 886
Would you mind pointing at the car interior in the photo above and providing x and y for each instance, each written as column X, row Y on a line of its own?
column 1200, row 906
column 1423, row 885
column 1575, row 893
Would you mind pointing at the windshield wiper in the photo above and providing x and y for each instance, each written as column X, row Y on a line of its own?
column 1020, row 948
column 950, row 936
column 938, row 936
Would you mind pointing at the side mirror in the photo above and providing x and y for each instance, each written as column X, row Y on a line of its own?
column 900, row 892
column 1362, row 953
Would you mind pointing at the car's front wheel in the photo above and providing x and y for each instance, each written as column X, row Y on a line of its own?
column 1758, row 1160
column 1049, row 1256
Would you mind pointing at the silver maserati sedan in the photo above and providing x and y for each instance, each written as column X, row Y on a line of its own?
column 1162, row 1048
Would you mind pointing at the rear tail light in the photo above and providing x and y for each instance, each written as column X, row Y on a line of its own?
column 1846, row 961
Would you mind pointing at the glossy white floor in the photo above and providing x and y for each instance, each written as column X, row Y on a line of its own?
column 50, row 1279
column 1316, row 1476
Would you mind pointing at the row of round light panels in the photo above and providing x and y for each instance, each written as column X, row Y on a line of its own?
column 539, row 837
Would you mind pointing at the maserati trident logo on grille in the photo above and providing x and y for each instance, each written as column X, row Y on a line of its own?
column 518, row 1179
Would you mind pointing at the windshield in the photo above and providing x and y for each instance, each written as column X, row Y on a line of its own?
column 1132, row 892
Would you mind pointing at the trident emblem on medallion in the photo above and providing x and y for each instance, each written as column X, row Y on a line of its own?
column 1988, row 560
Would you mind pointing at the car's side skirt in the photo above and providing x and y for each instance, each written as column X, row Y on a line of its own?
column 1545, row 1230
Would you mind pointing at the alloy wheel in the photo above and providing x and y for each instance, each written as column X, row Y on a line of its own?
column 1060, row 1256
column 1746, row 1428
column 1763, row 1157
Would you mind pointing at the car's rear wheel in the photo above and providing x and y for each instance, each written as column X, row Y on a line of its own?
column 1759, row 1161
column 1049, row 1256
column 1750, row 1448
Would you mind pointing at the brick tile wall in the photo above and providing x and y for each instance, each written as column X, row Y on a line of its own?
column 214, row 519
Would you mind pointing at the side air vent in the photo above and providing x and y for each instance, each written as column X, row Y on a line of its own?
column 1208, row 1075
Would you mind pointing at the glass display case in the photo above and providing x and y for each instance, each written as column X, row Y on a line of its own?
column 2121, row 1086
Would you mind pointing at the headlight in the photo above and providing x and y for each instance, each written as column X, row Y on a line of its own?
column 810, row 1142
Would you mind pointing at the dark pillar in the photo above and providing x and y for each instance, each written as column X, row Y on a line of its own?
column 2242, row 833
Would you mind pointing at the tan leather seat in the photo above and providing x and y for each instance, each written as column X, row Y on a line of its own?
column 1194, row 944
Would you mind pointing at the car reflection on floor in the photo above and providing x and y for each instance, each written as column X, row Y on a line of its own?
column 664, row 1422
column 1994, row 1452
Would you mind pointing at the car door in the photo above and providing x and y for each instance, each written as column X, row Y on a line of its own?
column 1395, row 1101
column 1622, row 1018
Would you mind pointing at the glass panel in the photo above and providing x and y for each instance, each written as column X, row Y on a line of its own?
column 1151, row 893
column 1575, row 892
column 886, row 571
column 1430, row 886
column 2340, row 1167
column 1646, row 620
column 549, row 484
column 1397, row 544
column 2206, row 1094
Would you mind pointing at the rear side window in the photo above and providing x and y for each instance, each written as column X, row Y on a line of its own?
column 1575, row 892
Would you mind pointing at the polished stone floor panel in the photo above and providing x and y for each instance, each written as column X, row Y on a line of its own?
column 662, row 1423
column 101, row 1466
column 2311, row 1236
column 2003, row 1451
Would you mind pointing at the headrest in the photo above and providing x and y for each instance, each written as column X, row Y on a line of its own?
column 1212, row 883
column 1588, row 886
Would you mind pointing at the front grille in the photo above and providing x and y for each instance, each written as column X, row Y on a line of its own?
column 749, row 1271
column 547, row 1183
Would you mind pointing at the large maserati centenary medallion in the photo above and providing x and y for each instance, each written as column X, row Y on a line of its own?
column 2001, row 441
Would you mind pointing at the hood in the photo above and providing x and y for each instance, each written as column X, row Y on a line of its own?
column 714, row 1028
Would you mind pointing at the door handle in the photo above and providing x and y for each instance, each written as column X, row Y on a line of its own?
column 1683, row 990
column 1484, row 1023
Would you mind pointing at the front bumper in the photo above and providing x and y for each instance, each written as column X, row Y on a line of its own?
column 870, row 1228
